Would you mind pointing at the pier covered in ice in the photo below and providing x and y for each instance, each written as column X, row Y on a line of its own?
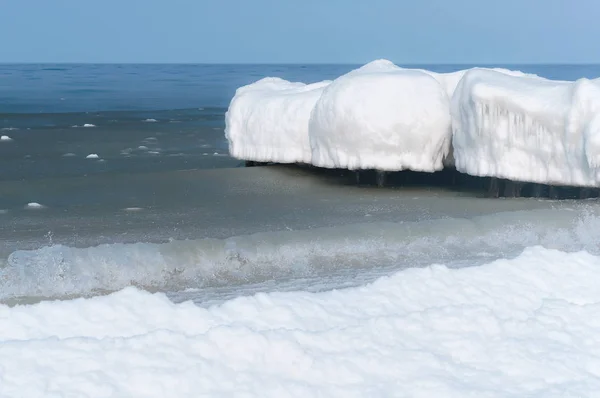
column 267, row 121
column 484, row 122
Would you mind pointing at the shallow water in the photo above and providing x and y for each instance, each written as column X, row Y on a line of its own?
column 118, row 174
column 226, row 232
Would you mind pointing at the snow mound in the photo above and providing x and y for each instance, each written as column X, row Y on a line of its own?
column 450, row 80
column 513, row 328
column 527, row 129
column 383, row 117
column 267, row 121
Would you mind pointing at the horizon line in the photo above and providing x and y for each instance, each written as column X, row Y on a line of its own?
column 299, row 63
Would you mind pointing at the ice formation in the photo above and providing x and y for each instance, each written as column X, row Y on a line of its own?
column 486, row 122
column 267, row 121
column 383, row 117
column 512, row 328
column 527, row 129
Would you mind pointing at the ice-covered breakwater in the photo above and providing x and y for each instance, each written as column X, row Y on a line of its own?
column 494, row 123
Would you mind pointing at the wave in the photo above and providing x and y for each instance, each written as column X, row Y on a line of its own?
column 529, row 323
column 57, row 271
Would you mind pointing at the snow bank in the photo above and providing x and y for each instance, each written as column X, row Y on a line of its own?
column 522, row 327
column 267, row 121
column 527, row 129
column 383, row 117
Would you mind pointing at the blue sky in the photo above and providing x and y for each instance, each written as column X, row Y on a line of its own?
column 311, row 31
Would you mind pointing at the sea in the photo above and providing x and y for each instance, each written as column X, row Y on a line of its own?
column 119, row 175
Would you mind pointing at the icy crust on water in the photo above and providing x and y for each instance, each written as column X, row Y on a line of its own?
column 268, row 120
column 488, row 122
column 527, row 129
column 512, row 328
column 323, row 257
column 383, row 117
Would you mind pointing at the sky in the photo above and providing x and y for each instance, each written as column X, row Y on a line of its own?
column 300, row 31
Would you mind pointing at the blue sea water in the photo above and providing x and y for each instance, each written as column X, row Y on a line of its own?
column 48, row 88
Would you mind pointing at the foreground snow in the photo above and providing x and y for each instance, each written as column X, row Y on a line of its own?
column 522, row 327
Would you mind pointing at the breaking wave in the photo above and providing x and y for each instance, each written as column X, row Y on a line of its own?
column 58, row 271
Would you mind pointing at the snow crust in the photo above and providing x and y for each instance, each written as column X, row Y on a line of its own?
column 527, row 129
column 267, row 121
column 522, row 327
column 383, row 117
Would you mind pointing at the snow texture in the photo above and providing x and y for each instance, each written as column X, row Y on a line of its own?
column 267, row 121
column 512, row 328
column 383, row 117
column 527, row 129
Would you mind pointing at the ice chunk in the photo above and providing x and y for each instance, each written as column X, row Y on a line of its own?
column 267, row 121
column 527, row 129
column 383, row 117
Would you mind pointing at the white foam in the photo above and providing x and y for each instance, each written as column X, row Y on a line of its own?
column 383, row 117
column 8, row 129
column 143, row 148
column 89, row 125
column 133, row 209
column 267, row 121
column 68, row 155
column 150, row 120
column 92, row 156
column 5, row 138
column 527, row 129
column 522, row 327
